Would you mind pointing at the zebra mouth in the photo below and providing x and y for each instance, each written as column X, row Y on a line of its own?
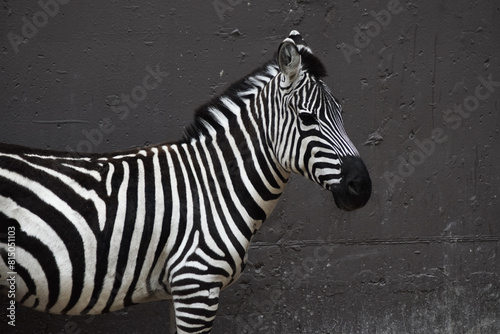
column 355, row 187
column 345, row 206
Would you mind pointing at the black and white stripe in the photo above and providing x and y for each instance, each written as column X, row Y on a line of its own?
column 96, row 233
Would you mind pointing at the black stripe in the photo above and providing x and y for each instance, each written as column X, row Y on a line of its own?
column 182, row 193
column 147, row 231
column 64, row 229
column 104, row 237
column 128, row 230
column 211, row 188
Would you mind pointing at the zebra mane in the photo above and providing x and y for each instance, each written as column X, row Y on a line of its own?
column 204, row 114
column 312, row 64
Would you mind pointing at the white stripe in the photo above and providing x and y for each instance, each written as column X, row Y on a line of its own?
column 34, row 270
column 121, row 156
column 174, row 221
column 86, row 194
column 174, row 255
column 269, row 164
column 230, row 187
column 109, row 178
column 53, row 157
column 196, row 265
column 141, row 290
column 135, row 243
column 95, row 174
column 266, row 206
column 186, row 287
column 35, row 227
column 114, row 247
column 204, row 224
column 327, row 171
column 256, row 164
column 182, row 263
column 222, row 264
column 227, row 215
column 88, row 237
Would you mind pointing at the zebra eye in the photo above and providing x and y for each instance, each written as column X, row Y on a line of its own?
column 308, row 119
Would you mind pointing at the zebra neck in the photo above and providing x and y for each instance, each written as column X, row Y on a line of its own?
column 233, row 173
column 228, row 147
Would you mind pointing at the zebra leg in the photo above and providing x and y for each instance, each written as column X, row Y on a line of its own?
column 195, row 310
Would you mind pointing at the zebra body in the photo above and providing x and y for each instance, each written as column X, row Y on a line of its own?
column 99, row 232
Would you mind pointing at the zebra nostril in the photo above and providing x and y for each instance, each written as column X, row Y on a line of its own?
column 352, row 187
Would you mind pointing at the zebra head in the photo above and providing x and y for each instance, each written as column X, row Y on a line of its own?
column 315, row 143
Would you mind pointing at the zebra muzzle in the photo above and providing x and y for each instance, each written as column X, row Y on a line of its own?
column 355, row 187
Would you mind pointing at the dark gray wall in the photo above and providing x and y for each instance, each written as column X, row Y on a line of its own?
column 420, row 92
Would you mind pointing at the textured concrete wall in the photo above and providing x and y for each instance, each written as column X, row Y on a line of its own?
column 419, row 82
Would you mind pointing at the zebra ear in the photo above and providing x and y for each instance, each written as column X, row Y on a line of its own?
column 289, row 60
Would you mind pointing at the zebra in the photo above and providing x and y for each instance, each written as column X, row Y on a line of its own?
column 95, row 233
